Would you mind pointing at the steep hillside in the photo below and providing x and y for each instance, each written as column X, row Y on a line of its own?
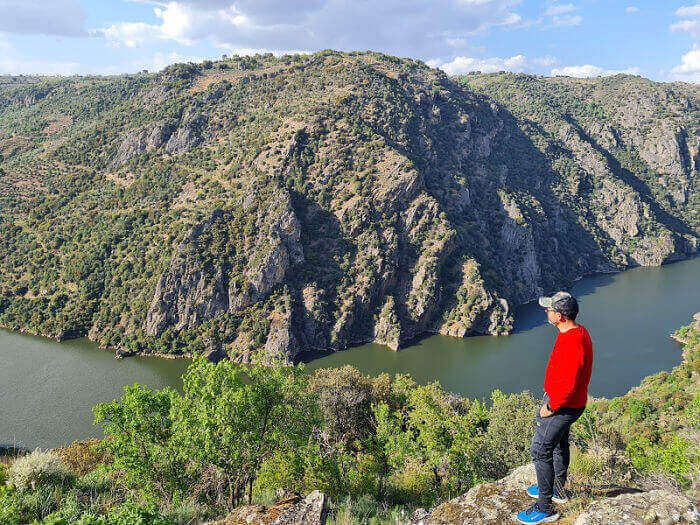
column 264, row 207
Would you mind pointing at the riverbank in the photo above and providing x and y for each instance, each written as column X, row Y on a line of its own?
column 311, row 355
column 43, row 406
column 629, row 315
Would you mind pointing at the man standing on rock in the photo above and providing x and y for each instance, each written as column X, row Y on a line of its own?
column 566, row 392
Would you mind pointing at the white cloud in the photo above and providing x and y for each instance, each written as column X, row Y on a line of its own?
column 559, row 15
column 632, row 9
column 565, row 21
column 691, row 22
column 517, row 64
column 130, row 34
column 559, row 9
column 13, row 63
column 413, row 28
column 591, row 71
column 692, row 27
column 15, row 66
column 692, row 10
column 689, row 69
column 38, row 17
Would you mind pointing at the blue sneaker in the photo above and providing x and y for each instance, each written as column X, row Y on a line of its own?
column 535, row 515
column 533, row 492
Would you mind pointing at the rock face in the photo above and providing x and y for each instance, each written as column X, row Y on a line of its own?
column 655, row 506
column 490, row 503
column 498, row 502
column 206, row 277
column 311, row 510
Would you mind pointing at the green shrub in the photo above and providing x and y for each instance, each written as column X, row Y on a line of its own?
column 673, row 458
column 37, row 468
column 510, row 430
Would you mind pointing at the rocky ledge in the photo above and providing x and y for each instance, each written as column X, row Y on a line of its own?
column 292, row 510
column 498, row 502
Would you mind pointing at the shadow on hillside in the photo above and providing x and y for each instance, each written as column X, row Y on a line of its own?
column 673, row 223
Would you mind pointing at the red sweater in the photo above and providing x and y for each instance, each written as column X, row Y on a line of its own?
column 569, row 369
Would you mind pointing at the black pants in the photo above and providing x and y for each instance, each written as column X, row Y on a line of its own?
column 550, row 452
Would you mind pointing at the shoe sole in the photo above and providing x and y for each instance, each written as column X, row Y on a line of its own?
column 548, row 519
column 554, row 499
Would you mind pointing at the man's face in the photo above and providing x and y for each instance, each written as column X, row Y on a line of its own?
column 553, row 317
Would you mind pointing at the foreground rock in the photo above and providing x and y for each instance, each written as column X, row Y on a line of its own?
column 311, row 510
column 495, row 502
column 498, row 502
column 655, row 506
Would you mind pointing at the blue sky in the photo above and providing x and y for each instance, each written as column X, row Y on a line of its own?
column 657, row 39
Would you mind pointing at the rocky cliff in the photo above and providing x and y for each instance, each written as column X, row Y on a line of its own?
column 260, row 208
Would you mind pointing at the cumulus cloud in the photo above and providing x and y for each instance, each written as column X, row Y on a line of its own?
column 691, row 10
column 689, row 69
column 559, row 15
column 559, row 9
column 564, row 21
column 13, row 63
column 589, row 70
column 37, row 17
column 632, row 9
column 413, row 27
column 690, row 23
column 19, row 66
column 129, row 34
column 516, row 64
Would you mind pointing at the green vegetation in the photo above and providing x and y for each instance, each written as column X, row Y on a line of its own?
column 652, row 429
column 379, row 447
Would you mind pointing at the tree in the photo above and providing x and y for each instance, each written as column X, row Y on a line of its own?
column 138, row 428
column 233, row 417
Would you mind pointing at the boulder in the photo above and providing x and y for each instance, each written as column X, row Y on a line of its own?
column 293, row 510
column 655, row 506
column 490, row 503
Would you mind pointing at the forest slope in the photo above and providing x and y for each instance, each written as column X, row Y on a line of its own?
column 262, row 207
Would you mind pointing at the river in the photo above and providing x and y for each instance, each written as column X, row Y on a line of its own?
column 48, row 388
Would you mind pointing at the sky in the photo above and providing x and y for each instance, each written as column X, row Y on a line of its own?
column 658, row 39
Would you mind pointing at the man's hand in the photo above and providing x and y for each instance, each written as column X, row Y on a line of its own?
column 545, row 412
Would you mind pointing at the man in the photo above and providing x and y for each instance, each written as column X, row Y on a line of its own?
column 566, row 392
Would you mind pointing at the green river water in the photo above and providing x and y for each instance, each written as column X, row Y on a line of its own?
column 48, row 388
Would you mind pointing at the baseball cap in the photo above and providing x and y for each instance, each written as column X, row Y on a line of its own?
column 562, row 302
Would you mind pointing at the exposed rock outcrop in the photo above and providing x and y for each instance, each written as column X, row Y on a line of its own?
column 293, row 510
column 199, row 285
column 498, row 503
column 490, row 503
column 654, row 506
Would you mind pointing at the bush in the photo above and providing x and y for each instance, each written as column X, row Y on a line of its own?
column 672, row 458
column 82, row 457
column 599, row 466
column 509, row 434
column 38, row 468
column 3, row 474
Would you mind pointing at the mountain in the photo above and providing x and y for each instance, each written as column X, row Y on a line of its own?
column 260, row 207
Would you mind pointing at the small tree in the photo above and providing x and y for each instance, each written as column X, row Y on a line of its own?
column 233, row 417
column 139, row 431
